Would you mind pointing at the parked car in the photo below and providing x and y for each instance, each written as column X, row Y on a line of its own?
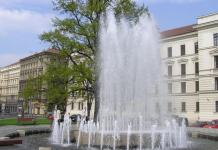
column 61, row 118
column 186, row 121
column 74, row 118
column 212, row 124
column 199, row 124
column 180, row 119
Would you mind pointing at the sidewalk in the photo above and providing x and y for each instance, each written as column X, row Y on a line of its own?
column 4, row 130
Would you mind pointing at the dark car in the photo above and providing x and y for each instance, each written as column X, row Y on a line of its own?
column 61, row 118
column 199, row 124
column 74, row 118
column 180, row 119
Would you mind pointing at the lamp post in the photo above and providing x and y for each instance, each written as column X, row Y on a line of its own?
column 20, row 109
column 3, row 108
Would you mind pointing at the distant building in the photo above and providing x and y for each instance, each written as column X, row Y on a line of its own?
column 190, row 55
column 31, row 67
column 9, row 87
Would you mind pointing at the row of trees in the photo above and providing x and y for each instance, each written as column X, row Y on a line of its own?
column 76, row 37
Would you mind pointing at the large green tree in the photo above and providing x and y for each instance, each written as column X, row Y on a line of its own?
column 32, row 90
column 76, row 34
column 56, row 80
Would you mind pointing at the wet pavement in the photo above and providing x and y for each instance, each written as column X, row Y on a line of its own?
column 33, row 142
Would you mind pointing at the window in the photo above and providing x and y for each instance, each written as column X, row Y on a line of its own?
column 196, row 86
column 216, row 61
column 169, row 51
column 196, row 47
column 157, row 108
column 183, row 69
column 170, row 71
column 79, row 107
column 72, row 106
column 169, row 106
column 156, row 91
column 216, row 107
column 197, row 107
column 183, row 107
column 183, row 87
column 216, row 83
column 182, row 50
column 170, row 88
column 196, row 68
column 215, row 39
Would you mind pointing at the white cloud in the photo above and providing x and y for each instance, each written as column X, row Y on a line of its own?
column 12, row 21
column 21, row 21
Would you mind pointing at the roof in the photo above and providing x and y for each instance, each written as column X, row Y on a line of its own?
column 16, row 63
column 49, row 52
column 52, row 50
column 178, row 31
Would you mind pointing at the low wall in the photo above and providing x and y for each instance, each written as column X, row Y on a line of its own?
column 207, row 133
column 26, row 132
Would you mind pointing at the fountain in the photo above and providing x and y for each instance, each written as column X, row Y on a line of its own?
column 133, row 95
column 61, row 130
column 55, row 138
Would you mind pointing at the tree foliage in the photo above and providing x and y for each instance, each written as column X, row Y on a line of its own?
column 32, row 90
column 56, row 80
column 76, row 36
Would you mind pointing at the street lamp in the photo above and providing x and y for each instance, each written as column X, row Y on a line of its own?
column 20, row 108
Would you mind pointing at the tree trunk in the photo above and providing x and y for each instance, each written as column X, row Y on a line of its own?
column 97, row 103
column 89, row 105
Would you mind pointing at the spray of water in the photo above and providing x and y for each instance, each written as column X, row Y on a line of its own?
column 133, row 94
column 131, row 82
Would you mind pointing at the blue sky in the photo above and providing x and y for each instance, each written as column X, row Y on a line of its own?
column 22, row 21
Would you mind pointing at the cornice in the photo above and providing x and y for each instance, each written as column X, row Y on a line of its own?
column 195, row 59
column 169, row 62
column 214, row 51
column 183, row 56
column 181, row 37
column 205, row 25
column 182, row 60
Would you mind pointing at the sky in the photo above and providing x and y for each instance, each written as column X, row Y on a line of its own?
column 22, row 21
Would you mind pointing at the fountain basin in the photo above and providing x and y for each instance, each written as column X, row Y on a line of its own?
column 159, row 138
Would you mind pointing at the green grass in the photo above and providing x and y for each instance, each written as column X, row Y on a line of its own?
column 42, row 121
column 13, row 121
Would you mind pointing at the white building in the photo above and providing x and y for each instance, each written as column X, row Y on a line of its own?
column 190, row 55
column 9, row 87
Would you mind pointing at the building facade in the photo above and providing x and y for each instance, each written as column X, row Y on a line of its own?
column 190, row 57
column 9, row 88
column 77, row 106
column 32, row 67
